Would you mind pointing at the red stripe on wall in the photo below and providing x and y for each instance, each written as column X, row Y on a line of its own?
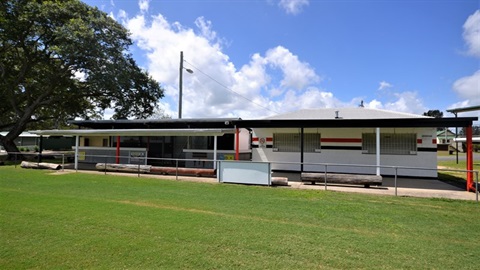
column 256, row 139
column 341, row 140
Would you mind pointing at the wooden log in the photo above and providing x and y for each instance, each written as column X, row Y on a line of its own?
column 279, row 181
column 336, row 178
column 41, row 165
column 183, row 171
column 112, row 167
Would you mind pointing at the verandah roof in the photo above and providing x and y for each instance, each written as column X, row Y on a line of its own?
column 136, row 132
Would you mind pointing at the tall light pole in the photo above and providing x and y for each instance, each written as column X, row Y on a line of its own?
column 180, row 85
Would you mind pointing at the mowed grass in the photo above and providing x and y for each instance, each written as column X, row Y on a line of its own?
column 448, row 167
column 85, row 221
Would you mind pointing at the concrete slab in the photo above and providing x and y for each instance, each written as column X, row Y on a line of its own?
column 409, row 187
column 427, row 188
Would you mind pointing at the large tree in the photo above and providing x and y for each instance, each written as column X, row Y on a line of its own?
column 62, row 59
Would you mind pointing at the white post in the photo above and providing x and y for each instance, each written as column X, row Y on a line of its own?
column 377, row 141
column 77, row 142
column 214, row 152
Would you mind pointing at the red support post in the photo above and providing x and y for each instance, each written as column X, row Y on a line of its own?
column 469, row 135
column 117, row 154
column 237, row 144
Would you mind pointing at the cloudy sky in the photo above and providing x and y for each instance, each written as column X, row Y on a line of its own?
column 255, row 58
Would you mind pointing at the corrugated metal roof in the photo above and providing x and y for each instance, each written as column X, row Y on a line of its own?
column 345, row 113
column 22, row 135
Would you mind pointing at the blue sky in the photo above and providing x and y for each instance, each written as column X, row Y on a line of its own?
column 253, row 59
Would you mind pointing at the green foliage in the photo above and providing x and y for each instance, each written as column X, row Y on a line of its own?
column 475, row 131
column 76, row 220
column 65, row 59
column 434, row 113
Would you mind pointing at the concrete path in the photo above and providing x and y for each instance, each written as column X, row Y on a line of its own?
column 428, row 188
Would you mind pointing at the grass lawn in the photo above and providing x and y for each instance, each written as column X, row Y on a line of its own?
column 453, row 176
column 84, row 221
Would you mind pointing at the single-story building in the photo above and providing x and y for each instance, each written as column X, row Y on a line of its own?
column 339, row 142
column 297, row 141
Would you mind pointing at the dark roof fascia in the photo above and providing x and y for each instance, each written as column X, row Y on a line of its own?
column 357, row 123
column 156, row 123
column 276, row 123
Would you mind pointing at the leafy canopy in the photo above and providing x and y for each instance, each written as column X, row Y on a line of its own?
column 64, row 59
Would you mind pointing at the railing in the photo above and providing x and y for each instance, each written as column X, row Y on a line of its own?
column 180, row 163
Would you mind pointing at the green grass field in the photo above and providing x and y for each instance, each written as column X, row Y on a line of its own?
column 85, row 221
column 455, row 176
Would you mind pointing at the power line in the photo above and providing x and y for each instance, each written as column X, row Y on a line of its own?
column 226, row 87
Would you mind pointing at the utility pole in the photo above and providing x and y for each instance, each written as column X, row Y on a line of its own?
column 180, row 86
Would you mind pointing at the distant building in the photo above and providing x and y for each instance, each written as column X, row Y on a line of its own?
column 444, row 139
column 29, row 141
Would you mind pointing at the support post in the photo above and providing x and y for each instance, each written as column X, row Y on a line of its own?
column 377, row 151
column 117, row 153
column 469, row 134
column 77, row 143
column 302, row 144
column 40, row 149
column 214, row 152
column 456, row 142
column 237, row 143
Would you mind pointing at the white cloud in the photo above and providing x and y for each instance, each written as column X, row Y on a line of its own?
column 384, row 85
column 407, row 102
column 274, row 81
column 468, row 88
column 206, row 28
column 296, row 74
column 209, row 91
column 471, row 33
column 293, row 6
column 143, row 5
column 122, row 15
column 374, row 104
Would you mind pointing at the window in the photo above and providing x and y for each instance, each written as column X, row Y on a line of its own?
column 390, row 143
column 311, row 142
column 290, row 142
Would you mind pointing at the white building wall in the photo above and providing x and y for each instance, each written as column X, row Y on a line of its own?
column 244, row 136
column 344, row 146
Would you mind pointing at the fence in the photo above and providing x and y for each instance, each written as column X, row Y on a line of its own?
column 64, row 158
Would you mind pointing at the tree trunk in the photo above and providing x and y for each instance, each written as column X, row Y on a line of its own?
column 10, row 147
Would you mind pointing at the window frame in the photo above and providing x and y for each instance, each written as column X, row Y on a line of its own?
column 390, row 143
column 290, row 142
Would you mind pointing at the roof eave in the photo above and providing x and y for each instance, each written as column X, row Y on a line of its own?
column 359, row 123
